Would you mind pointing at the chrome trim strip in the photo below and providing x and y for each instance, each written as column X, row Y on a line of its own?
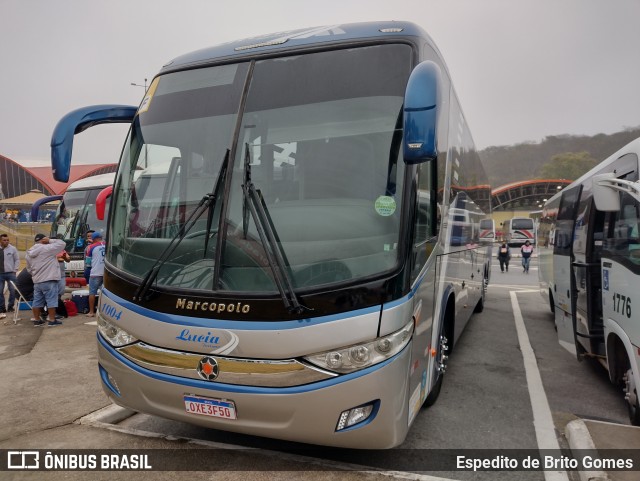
column 246, row 372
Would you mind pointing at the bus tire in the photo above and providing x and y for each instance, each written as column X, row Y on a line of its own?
column 631, row 396
column 552, row 305
column 621, row 374
column 445, row 342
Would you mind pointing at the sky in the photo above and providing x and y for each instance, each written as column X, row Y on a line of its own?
column 523, row 69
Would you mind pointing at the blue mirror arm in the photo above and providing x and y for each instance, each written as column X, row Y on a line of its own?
column 74, row 123
column 35, row 208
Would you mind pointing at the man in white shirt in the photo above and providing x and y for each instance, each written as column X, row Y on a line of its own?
column 9, row 266
column 42, row 264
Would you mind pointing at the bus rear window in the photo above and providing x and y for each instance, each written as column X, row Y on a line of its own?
column 522, row 224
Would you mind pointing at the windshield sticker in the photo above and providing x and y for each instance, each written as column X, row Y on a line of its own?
column 146, row 101
column 385, row 205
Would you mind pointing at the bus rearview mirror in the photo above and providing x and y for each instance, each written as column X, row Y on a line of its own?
column 606, row 198
column 421, row 102
column 74, row 123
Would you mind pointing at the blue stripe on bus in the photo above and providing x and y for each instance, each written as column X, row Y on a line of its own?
column 402, row 300
column 232, row 388
column 244, row 325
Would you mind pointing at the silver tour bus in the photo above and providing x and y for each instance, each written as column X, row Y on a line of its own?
column 280, row 259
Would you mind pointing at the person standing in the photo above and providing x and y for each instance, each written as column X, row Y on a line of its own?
column 504, row 255
column 526, row 250
column 87, row 259
column 62, row 284
column 96, row 252
column 9, row 266
column 42, row 264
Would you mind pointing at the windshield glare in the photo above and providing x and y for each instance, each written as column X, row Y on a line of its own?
column 323, row 132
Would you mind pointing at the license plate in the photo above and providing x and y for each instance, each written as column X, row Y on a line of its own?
column 204, row 406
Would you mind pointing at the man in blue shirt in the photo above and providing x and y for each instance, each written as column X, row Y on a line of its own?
column 96, row 252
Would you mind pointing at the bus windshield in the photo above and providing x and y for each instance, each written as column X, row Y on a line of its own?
column 76, row 214
column 324, row 158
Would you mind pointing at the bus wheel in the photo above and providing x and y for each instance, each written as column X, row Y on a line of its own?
column 441, row 367
column 631, row 396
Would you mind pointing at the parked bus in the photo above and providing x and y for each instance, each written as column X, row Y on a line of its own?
column 76, row 215
column 519, row 230
column 299, row 278
column 487, row 231
column 546, row 239
column 596, row 268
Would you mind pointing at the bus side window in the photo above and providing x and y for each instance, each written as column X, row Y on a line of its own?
column 626, row 234
column 423, row 222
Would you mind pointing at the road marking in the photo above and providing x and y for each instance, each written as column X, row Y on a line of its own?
column 542, row 420
column 520, row 287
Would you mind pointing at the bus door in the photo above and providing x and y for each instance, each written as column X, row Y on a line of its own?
column 562, row 269
column 587, row 294
column 621, row 255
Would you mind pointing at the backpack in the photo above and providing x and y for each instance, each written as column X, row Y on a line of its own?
column 72, row 310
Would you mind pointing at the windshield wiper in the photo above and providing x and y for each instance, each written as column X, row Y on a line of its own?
column 254, row 204
column 208, row 202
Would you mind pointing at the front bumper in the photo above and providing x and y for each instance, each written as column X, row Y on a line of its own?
column 307, row 413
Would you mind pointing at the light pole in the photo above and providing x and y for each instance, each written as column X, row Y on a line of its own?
column 146, row 151
column 138, row 85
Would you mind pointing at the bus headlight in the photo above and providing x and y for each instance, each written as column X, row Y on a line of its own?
column 353, row 358
column 117, row 337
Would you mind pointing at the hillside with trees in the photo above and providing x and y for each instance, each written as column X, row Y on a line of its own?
column 557, row 157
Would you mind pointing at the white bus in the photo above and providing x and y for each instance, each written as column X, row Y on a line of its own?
column 519, row 230
column 76, row 215
column 487, row 231
column 595, row 269
column 299, row 276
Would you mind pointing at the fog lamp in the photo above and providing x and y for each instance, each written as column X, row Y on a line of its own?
column 109, row 381
column 113, row 383
column 354, row 416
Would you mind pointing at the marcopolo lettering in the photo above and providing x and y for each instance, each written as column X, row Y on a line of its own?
column 217, row 307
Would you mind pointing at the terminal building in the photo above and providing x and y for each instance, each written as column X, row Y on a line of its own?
column 523, row 199
column 16, row 179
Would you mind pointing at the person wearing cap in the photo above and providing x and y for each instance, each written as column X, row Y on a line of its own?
column 96, row 252
column 42, row 264
column 87, row 259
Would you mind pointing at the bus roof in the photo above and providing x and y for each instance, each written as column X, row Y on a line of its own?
column 631, row 147
column 295, row 39
column 101, row 180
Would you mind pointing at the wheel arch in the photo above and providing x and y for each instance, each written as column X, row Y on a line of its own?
column 448, row 315
column 619, row 352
